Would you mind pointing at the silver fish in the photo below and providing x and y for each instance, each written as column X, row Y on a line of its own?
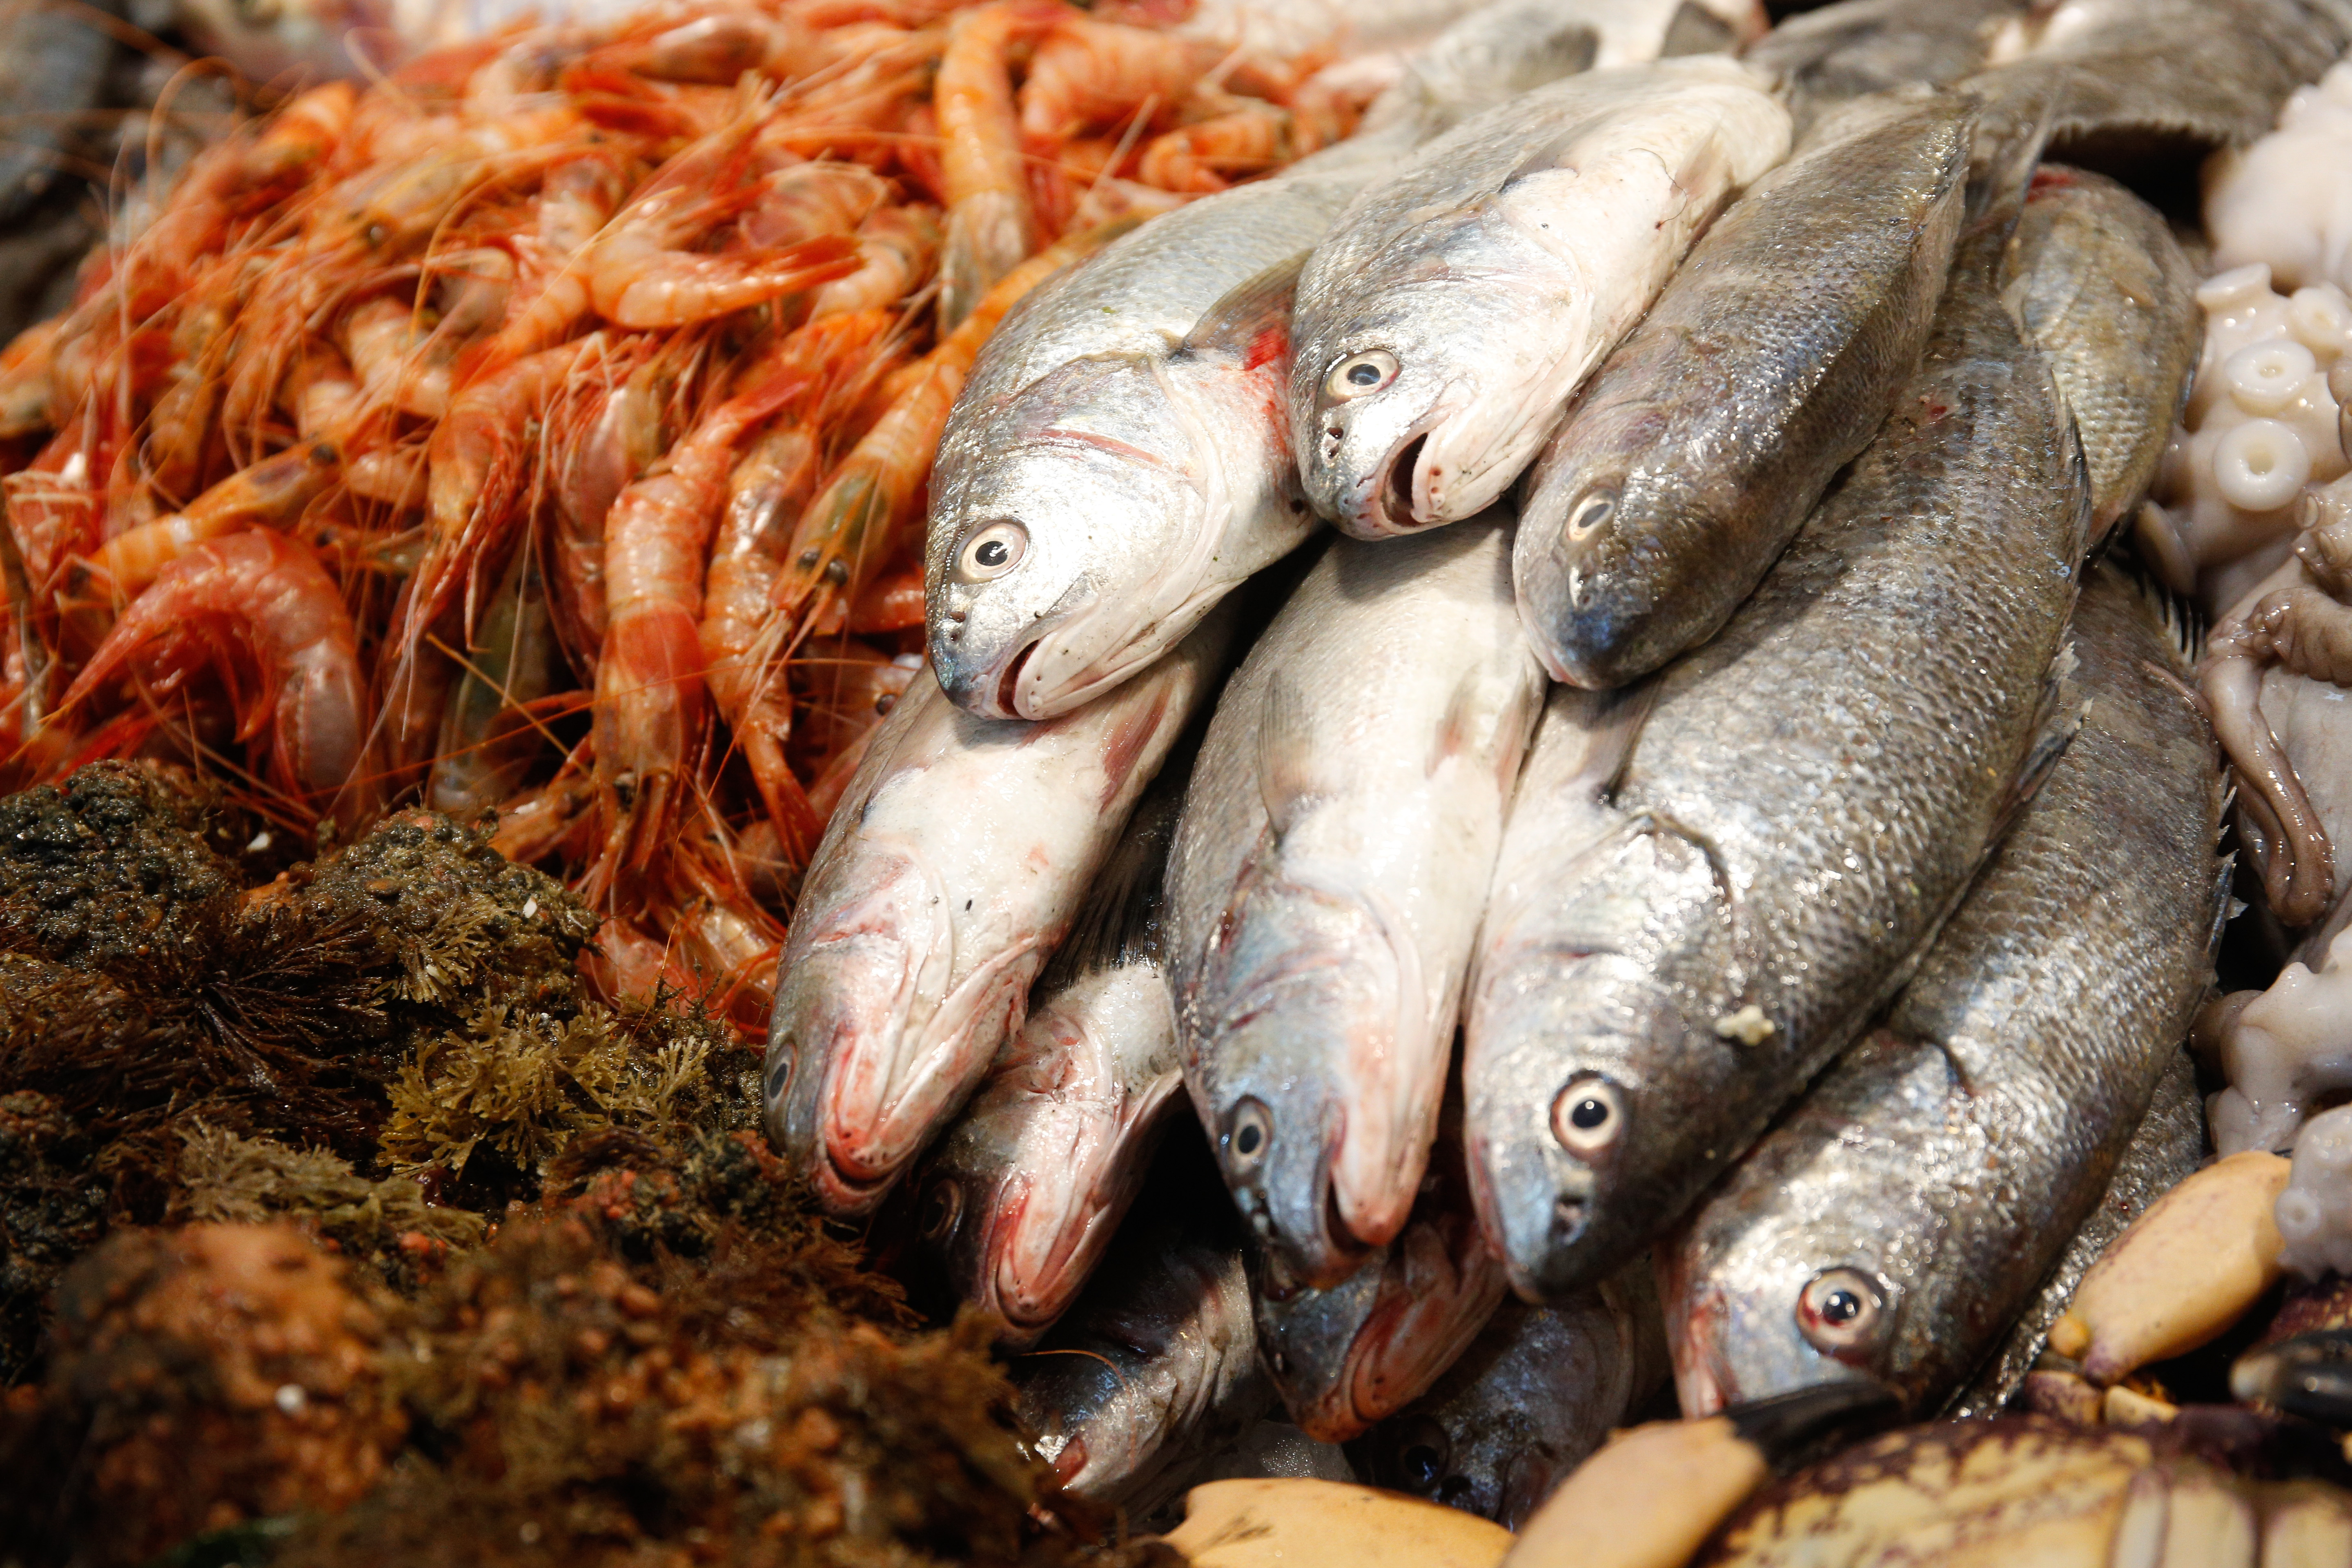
column 1351, row 1357
column 1895, row 1224
column 1118, row 461
column 2169, row 1146
column 1828, row 56
column 1327, row 878
column 1016, row 1202
column 1454, row 308
column 950, row 871
column 1155, row 1367
column 2100, row 285
column 1686, row 466
column 1806, row 802
column 1533, row 1394
column 2126, row 86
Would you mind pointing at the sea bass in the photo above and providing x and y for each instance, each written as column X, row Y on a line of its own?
column 1017, row 1201
column 1118, row 461
column 1894, row 1223
column 1352, row 1355
column 1828, row 56
column 1688, row 463
column 1328, row 875
column 950, row 871
column 1155, row 1365
column 1454, row 307
column 1807, row 799
column 2100, row 285
column 1533, row 1394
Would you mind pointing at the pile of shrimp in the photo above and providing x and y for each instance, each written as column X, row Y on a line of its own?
column 541, row 430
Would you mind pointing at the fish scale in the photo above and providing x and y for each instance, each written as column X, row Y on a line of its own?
column 1805, row 802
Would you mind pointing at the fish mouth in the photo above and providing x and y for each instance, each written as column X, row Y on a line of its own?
column 1004, row 702
column 1389, row 508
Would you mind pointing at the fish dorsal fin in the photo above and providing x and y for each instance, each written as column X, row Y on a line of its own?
column 1286, row 777
column 2064, row 708
column 1252, row 320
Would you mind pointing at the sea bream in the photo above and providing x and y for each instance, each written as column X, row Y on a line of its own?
column 1443, row 325
column 1328, row 876
column 1894, row 1223
column 1688, row 462
column 1016, row 1202
column 1118, row 461
column 1806, row 800
column 951, row 870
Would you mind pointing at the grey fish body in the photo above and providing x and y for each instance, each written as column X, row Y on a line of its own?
column 1327, row 878
column 1806, row 801
column 1018, row 1200
column 1893, row 1225
column 953, row 867
column 2168, row 1148
column 1685, row 467
column 2126, row 86
column 1533, row 1395
column 1455, row 307
column 1155, row 1366
column 1351, row 1355
column 2099, row 285
column 1826, row 56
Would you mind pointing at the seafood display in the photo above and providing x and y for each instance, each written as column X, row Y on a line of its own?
column 1745, row 960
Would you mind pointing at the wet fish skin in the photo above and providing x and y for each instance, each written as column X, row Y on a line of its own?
column 951, row 870
column 1155, row 1365
column 1834, row 54
column 1325, row 885
column 1533, row 1395
column 1687, row 464
column 1348, row 1357
column 1475, row 291
column 2169, row 1146
column 1807, row 799
column 1015, row 1204
column 1935, row 1174
column 2100, row 285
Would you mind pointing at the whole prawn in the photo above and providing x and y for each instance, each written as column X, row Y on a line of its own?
column 990, row 224
column 267, row 494
column 1087, row 73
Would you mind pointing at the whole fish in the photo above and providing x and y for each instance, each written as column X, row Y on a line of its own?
column 1453, row 308
column 1688, row 463
column 2100, row 285
column 1807, row 800
column 2170, row 1144
column 1533, row 1395
column 1348, row 1357
column 1155, row 1366
column 2133, row 85
column 950, row 871
column 1016, row 1202
column 1893, row 1225
column 1118, row 461
column 1825, row 56
column 1327, row 878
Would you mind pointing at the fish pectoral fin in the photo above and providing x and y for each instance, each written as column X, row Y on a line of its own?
column 1252, row 319
column 1285, row 759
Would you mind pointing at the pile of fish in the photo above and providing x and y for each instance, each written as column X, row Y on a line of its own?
column 1725, row 845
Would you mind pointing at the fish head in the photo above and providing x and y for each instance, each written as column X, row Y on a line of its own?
column 1067, row 552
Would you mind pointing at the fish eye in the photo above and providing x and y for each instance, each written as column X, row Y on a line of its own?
column 1588, row 1117
column 1424, row 1454
column 1840, row 1312
column 992, row 551
column 941, row 1207
column 1591, row 512
column 1252, row 1132
column 1359, row 373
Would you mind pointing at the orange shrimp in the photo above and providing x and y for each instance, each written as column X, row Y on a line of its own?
column 28, row 391
column 258, row 604
column 989, row 226
column 489, row 734
column 264, row 496
column 1087, row 74
column 808, row 199
column 614, row 427
column 1208, row 155
column 639, row 277
column 895, row 247
column 843, row 699
column 554, row 817
column 649, row 681
column 717, row 49
column 55, row 501
column 578, row 197
column 849, row 528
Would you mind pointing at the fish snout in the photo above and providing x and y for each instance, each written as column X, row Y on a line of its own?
column 1547, row 1189
column 1280, row 1177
